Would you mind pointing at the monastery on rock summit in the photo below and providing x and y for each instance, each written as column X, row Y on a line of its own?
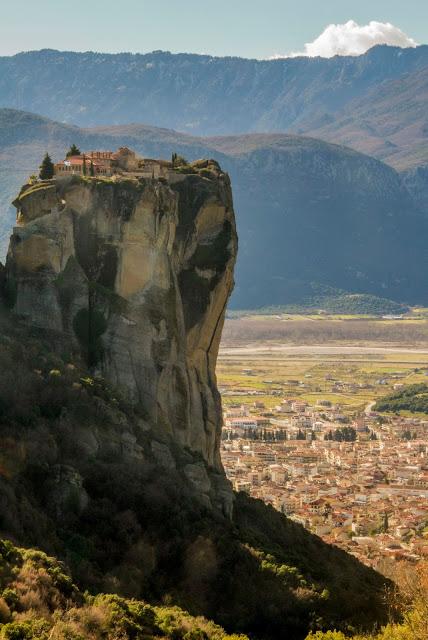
column 108, row 163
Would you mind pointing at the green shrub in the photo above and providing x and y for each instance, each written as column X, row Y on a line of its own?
column 10, row 597
column 29, row 630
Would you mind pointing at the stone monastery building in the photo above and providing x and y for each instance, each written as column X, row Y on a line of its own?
column 108, row 163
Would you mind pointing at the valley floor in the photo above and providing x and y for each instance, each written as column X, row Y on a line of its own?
column 301, row 431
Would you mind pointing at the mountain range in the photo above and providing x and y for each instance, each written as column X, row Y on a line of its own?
column 328, row 157
column 374, row 102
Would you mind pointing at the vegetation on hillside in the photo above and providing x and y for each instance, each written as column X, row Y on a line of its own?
column 336, row 302
column 389, row 124
column 39, row 601
column 412, row 603
column 413, row 398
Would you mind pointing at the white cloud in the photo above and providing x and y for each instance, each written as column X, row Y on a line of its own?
column 352, row 39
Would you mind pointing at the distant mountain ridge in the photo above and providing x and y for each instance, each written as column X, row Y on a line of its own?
column 388, row 122
column 202, row 94
column 309, row 214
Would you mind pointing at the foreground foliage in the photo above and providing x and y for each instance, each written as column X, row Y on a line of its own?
column 39, row 601
column 411, row 602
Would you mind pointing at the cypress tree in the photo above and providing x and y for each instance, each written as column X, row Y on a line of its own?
column 46, row 168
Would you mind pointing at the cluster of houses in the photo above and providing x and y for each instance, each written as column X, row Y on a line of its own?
column 368, row 496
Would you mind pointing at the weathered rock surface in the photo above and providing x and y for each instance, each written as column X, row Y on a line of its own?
column 136, row 274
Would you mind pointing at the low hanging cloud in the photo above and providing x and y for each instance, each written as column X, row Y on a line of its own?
column 352, row 39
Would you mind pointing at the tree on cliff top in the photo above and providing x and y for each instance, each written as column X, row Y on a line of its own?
column 178, row 161
column 46, row 168
column 73, row 151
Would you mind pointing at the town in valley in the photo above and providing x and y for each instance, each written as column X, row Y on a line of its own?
column 302, row 433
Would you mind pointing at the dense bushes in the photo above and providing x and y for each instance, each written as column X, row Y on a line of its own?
column 47, row 606
column 351, row 588
column 412, row 604
column 412, row 398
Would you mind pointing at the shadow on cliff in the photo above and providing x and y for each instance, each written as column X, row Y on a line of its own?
column 79, row 480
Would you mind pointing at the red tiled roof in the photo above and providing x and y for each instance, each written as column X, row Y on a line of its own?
column 78, row 161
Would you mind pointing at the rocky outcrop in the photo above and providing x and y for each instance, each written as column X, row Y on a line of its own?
column 135, row 275
column 122, row 283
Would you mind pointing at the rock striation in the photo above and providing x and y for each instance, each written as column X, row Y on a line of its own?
column 135, row 275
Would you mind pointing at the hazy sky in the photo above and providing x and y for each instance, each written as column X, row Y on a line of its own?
column 249, row 28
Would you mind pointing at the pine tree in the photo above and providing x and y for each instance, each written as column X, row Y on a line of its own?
column 73, row 151
column 92, row 170
column 84, row 170
column 46, row 168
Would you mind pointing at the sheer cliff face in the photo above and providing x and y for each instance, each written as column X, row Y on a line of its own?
column 135, row 274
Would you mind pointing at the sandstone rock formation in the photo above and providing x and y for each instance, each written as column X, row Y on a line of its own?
column 135, row 274
column 122, row 283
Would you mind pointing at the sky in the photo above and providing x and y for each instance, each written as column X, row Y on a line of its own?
column 247, row 28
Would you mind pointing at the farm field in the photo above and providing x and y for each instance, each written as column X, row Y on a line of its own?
column 348, row 363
